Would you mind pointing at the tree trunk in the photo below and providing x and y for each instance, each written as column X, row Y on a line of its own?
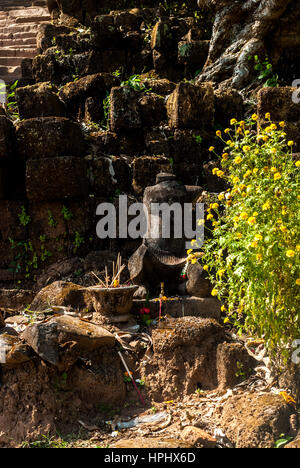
column 240, row 30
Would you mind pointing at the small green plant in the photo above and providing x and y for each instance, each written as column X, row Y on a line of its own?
column 11, row 104
column 67, row 214
column 135, row 82
column 198, row 138
column 47, row 441
column 78, row 242
column 240, row 370
column 51, row 220
column 24, row 217
column 266, row 73
column 154, row 409
column 280, row 443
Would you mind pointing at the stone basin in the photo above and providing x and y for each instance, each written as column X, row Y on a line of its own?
column 113, row 301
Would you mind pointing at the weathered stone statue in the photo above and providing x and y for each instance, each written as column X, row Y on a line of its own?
column 161, row 259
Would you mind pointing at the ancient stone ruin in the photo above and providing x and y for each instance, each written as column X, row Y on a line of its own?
column 120, row 341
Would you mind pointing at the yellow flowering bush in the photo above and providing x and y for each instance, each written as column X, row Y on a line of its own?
column 252, row 257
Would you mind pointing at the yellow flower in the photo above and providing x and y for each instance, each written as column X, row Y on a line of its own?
column 268, row 115
column 273, row 127
column 238, row 160
column 297, row 163
column 290, row 253
column 258, row 237
column 266, row 206
column 214, row 292
column 273, row 169
column 215, row 170
column 220, row 173
column 265, row 138
column 247, row 173
column 219, row 133
column 223, row 308
column 239, row 235
column 277, row 176
column 233, row 121
column 229, row 142
column 251, row 221
column 254, row 244
column 243, row 215
column 298, row 248
column 246, row 148
column 273, row 150
column 210, row 216
column 189, row 251
column 255, row 213
column 226, row 320
column 220, row 273
column 290, row 143
column 255, row 170
column 283, row 228
column 205, row 267
column 282, row 124
column 242, row 123
column 298, row 281
column 259, row 257
column 247, row 132
column 215, row 206
column 212, row 148
column 227, row 130
column 225, row 156
column 254, row 117
column 221, row 196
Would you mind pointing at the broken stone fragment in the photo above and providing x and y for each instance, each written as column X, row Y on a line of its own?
column 191, row 106
column 13, row 351
column 64, row 294
column 256, row 420
column 61, row 340
column 196, row 436
column 47, row 137
column 39, row 100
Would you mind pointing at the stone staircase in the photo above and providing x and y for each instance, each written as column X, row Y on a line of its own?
column 19, row 21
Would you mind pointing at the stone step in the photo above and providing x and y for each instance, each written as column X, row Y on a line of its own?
column 11, row 61
column 30, row 52
column 18, row 35
column 12, row 29
column 17, row 42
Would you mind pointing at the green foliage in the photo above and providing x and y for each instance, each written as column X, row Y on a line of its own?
column 47, row 441
column 51, row 220
column 283, row 441
column 24, row 217
column 135, row 82
column 10, row 106
column 78, row 242
column 67, row 214
column 266, row 73
column 252, row 256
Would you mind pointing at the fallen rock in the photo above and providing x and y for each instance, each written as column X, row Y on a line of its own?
column 47, row 137
column 39, row 100
column 184, row 359
column 256, row 420
column 15, row 299
column 195, row 436
column 63, row 294
column 234, row 364
column 61, row 340
column 13, row 351
column 59, row 270
column 150, row 443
